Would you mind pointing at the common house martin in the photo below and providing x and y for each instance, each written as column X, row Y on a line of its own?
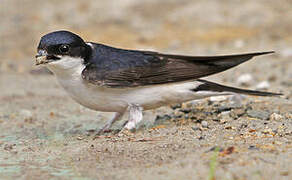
column 109, row 79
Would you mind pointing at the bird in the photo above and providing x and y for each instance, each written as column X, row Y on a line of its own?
column 109, row 79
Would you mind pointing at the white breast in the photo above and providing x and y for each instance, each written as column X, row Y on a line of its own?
column 68, row 72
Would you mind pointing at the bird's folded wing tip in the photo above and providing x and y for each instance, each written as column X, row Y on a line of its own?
column 269, row 52
column 263, row 53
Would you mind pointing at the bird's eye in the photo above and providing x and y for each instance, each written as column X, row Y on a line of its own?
column 64, row 48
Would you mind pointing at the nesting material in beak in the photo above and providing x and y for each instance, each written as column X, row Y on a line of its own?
column 41, row 57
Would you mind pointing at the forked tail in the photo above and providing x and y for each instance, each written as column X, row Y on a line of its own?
column 210, row 86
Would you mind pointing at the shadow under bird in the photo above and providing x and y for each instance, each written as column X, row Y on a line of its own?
column 109, row 79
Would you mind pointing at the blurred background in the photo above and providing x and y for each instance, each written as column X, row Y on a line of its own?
column 45, row 134
column 177, row 26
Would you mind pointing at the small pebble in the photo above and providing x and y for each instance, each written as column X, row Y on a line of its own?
column 204, row 124
column 245, row 79
column 195, row 128
column 225, row 113
column 79, row 138
column 258, row 114
column 276, row 117
column 26, row 114
column 263, row 85
column 237, row 99
column 218, row 98
column 186, row 110
column 225, row 117
column 235, row 113
column 175, row 106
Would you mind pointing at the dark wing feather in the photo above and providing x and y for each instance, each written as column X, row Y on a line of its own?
column 125, row 68
column 210, row 86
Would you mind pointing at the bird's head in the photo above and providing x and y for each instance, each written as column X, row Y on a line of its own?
column 61, row 46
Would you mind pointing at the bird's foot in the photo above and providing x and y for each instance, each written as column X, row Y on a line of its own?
column 108, row 125
column 135, row 116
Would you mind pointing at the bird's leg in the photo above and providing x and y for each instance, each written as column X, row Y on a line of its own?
column 135, row 116
column 109, row 123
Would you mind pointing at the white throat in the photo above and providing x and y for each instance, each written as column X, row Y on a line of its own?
column 67, row 67
column 68, row 72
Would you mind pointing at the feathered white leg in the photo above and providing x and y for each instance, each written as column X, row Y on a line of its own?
column 135, row 116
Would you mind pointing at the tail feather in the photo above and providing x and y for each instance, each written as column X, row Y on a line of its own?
column 210, row 86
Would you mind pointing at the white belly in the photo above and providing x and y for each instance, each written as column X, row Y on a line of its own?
column 118, row 99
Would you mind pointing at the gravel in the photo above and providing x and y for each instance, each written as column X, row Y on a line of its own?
column 258, row 114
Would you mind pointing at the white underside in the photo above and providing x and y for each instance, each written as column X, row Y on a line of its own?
column 68, row 72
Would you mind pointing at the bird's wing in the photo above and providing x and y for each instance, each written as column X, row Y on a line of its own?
column 141, row 68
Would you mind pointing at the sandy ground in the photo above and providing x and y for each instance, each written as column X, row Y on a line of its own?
column 46, row 135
